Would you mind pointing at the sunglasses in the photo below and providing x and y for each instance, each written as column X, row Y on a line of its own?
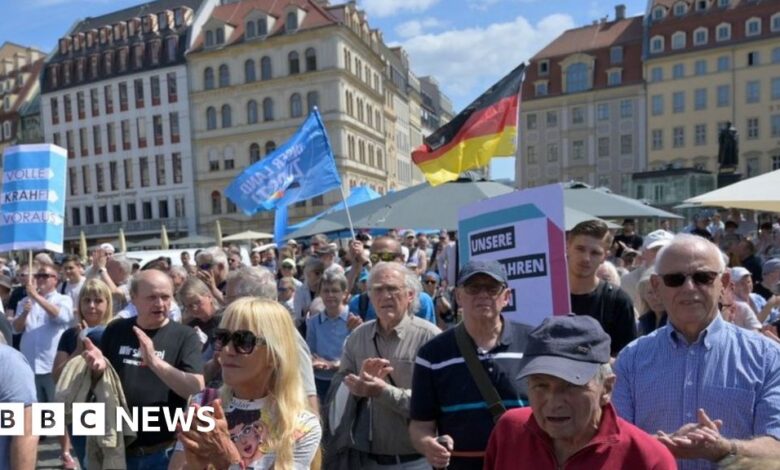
column 244, row 341
column 43, row 276
column 491, row 289
column 700, row 278
column 386, row 257
column 429, row 281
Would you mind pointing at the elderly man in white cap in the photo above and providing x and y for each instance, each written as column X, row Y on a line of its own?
column 653, row 242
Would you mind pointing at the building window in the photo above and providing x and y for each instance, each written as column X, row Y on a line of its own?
column 254, row 153
column 154, row 85
column 292, row 63
column 224, row 76
column 170, row 78
column 173, row 119
column 544, row 67
column 656, row 74
column 126, row 134
column 97, row 140
column 678, row 102
column 138, row 88
column 723, row 32
column 177, row 168
column 227, row 116
column 313, row 100
column 540, row 88
column 213, row 160
column 157, row 129
column 614, row 77
column 626, row 108
column 626, row 144
column 75, row 217
column 776, row 88
column 146, row 210
column 94, row 102
column 724, row 95
column 72, row 183
column 724, row 63
column 552, row 152
column 753, row 167
column 753, row 27
column 131, row 214
column 776, row 55
column 753, row 91
column 251, row 112
column 700, row 134
column 657, row 104
column 775, row 125
column 113, row 176
column 700, row 99
column 296, row 105
column 577, row 115
column 657, row 44
column 678, row 40
column 265, row 68
column 211, row 118
column 55, row 113
column 724, row 3
column 143, row 166
column 80, row 104
column 262, row 27
column 657, row 139
column 208, row 78
column 752, row 128
column 775, row 22
column 249, row 27
column 270, row 147
column 776, row 162
column 89, row 215
column 209, row 38
column 578, row 150
column 552, row 119
column 700, row 36
column 576, row 77
column 249, row 70
column 128, row 167
column 616, row 55
column 753, row 58
column 680, row 8
column 658, row 13
column 85, row 185
column 531, row 154
column 230, row 158
column 603, row 146
column 602, row 111
column 159, row 164
column 219, row 36
column 678, row 134
column 678, row 71
column 268, row 109
column 700, row 67
column 291, row 23
column 311, row 59
column 530, row 121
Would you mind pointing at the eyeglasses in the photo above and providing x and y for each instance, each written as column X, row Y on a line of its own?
column 386, row 257
column 429, row 281
column 43, row 275
column 700, row 278
column 243, row 341
column 491, row 289
column 381, row 290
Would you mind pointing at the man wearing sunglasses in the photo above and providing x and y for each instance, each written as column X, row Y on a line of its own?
column 708, row 389
column 387, row 250
column 586, row 249
column 212, row 269
column 446, row 400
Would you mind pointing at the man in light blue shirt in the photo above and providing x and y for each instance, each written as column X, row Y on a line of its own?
column 709, row 390
column 42, row 317
column 17, row 385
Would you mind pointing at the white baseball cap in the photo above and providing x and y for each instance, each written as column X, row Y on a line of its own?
column 657, row 239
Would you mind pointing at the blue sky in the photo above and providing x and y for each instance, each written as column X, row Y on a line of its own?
column 466, row 44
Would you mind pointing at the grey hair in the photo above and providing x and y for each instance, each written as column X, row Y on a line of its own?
column 253, row 281
column 216, row 254
column 691, row 240
column 178, row 270
column 313, row 263
column 334, row 277
column 125, row 264
column 411, row 281
column 604, row 372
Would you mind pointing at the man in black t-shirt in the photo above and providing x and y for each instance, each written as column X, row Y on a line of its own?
column 586, row 249
column 628, row 238
column 158, row 362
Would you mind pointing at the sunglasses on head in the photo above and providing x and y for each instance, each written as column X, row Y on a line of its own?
column 700, row 278
column 244, row 341
column 386, row 257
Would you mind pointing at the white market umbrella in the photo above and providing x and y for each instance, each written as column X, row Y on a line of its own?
column 760, row 193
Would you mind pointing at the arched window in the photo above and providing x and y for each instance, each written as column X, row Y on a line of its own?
column 254, row 153
column 208, row 78
column 220, row 36
column 268, row 109
column 262, row 27
column 270, row 147
column 296, row 107
column 211, row 118
column 250, row 29
column 209, row 38
column 249, row 70
column 678, row 40
column 213, row 160
column 312, row 100
column 576, row 77
column 292, row 22
column 311, row 59
column 216, row 203
column 265, row 68
column 230, row 157
column 251, row 112
column 224, row 75
column 227, row 119
column 292, row 60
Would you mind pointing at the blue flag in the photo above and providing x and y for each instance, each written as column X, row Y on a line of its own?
column 32, row 207
column 300, row 169
column 280, row 225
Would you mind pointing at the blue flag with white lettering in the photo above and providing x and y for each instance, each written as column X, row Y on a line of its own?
column 300, row 169
column 32, row 208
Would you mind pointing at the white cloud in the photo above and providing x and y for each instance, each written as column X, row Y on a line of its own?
column 467, row 61
column 384, row 8
column 49, row 3
column 415, row 28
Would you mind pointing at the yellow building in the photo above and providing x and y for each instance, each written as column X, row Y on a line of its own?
column 709, row 63
column 20, row 69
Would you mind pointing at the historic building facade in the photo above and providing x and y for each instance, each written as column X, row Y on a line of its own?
column 20, row 69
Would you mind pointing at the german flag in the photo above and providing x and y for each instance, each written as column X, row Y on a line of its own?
column 485, row 129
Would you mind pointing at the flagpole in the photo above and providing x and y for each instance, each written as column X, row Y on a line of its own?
column 346, row 207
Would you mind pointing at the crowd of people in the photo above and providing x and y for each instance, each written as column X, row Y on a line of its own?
column 384, row 355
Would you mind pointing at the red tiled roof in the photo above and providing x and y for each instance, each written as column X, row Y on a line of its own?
column 691, row 3
column 592, row 37
column 234, row 14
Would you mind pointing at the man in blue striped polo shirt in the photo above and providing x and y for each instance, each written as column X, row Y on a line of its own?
column 446, row 401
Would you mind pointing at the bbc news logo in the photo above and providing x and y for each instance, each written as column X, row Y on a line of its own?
column 89, row 419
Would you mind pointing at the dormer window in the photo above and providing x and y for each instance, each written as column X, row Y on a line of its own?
column 700, row 36
column 178, row 17
column 680, row 8
column 544, row 67
column 753, row 27
column 162, row 20
column 262, row 27
column 209, row 38
column 724, row 3
column 220, row 36
column 577, row 77
column 616, row 55
column 678, row 40
column 658, row 13
column 250, row 29
column 540, row 88
column 657, row 44
column 775, row 22
column 701, row 5
column 723, row 32
column 291, row 23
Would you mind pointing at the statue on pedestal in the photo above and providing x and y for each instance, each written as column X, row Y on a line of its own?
column 728, row 149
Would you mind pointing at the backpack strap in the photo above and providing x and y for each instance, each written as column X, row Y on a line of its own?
column 485, row 386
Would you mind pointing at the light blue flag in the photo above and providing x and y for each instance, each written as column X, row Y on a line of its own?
column 280, row 225
column 32, row 202
column 300, row 169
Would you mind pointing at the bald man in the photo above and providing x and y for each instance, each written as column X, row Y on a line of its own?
column 158, row 362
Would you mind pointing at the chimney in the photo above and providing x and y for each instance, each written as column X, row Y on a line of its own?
column 620, row 12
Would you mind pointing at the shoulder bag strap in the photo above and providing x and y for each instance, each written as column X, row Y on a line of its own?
column 485, row 386
column 376, row 346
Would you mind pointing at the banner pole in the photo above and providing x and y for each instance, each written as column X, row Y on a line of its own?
column 346, row 207
column 30, row 261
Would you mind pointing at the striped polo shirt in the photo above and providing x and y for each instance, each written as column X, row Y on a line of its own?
column 444, row 391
